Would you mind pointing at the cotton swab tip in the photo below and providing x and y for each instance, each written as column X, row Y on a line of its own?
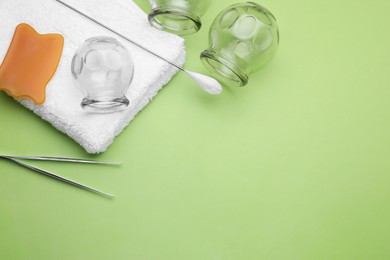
column 209, row 84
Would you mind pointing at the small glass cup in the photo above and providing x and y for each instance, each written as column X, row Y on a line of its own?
column 103, row 69
column 182, row 17
column 243, row 39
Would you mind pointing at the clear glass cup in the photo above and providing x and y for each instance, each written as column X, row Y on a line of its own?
column 103, row 69
column 182, row 17
column 243, row 39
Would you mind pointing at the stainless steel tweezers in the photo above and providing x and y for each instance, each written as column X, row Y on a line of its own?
column 16, row 159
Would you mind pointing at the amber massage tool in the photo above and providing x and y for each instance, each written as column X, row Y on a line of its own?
column 30, row 63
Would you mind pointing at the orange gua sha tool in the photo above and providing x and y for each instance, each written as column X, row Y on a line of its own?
column 30, row 63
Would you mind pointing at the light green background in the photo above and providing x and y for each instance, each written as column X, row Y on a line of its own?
column 294, row 166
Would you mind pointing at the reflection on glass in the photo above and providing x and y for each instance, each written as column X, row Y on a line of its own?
column 182, row 17
column 243, row 39
column 103, row 70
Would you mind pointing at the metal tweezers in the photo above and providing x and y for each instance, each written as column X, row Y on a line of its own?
column 16, row 159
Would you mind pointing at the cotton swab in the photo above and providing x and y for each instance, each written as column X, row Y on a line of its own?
column 207, row 83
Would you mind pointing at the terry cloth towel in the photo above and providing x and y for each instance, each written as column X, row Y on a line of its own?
column 94, row 132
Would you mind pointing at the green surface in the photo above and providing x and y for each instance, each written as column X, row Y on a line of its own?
column 294, row 166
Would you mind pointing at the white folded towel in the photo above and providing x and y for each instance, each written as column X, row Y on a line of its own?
column 94, row 132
